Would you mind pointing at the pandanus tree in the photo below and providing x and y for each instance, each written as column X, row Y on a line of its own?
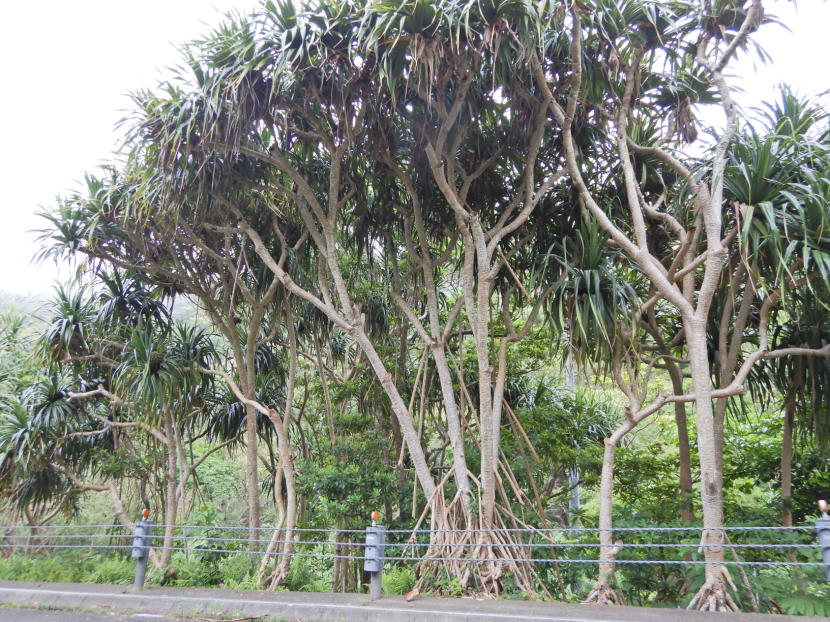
column 691, row 204
column 778, row 172
column 594, row 304
column 447, row 147
column 193, row 253
column 419, row 134
column 141, row 386
column 803, row 383
column 32, row 452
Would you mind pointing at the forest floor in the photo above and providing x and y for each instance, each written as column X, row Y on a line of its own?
column 213, row 604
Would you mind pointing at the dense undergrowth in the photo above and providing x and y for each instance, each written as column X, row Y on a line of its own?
column 228, row 571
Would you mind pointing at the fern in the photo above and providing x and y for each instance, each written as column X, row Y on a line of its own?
column 807, row 605
column 398, row 580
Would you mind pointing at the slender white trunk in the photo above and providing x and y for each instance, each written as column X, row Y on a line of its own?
column 171, row 498
column 606, row 506
column 573, row 471
column 454, row 429
column 251, row 476
column 711, row 479
column 410, row 435
column 608, row 549
column 283, row 427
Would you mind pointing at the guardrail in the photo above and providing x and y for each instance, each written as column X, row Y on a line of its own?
column 795, row 546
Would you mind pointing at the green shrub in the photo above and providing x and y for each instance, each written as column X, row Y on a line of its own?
column 117, row 571
column 52, row 569
column 398, row 579
column 236, row 571
column 304, row 577
column 185, row 571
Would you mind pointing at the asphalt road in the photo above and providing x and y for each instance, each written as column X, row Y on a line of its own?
column 53, row 615
column 70, row 602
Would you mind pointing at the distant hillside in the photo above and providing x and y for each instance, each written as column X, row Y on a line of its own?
column 187, row 312
column 30, row 306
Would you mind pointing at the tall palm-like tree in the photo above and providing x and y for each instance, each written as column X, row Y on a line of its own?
column 443, row 146
column 804, row 386
column 780, row 171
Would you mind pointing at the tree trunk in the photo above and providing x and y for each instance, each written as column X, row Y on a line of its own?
column 712, row 595
column 287, row 547
column 573, row 470
column 171, row 498
column 410, row 435
column 283, row 426
column 686, row 514
column 326, row 397
column 273, row 544
column 477, row 290
column 603, row 591
column 454, row 430
column 251, row 478
column 606, row 535
column 249, row 374
column 787, row 465
column 338, row 574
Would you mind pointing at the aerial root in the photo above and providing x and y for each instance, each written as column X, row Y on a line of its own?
column 498, row 555
column 277, row 577
column 604, row 594
column 713, row 596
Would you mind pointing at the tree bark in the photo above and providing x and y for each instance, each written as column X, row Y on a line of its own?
column 283, row 426
column 711, row 478
column 251, row 476
column 787, row 465
column 684, row 450
column 606, row 509
column 410, row 435
column 603, row 591
column 171, row 498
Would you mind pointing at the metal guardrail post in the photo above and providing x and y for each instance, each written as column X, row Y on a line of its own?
column 823, row 529
column 373, row 556
column 141, row 549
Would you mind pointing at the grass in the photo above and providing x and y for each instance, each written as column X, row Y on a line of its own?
column 67, row 568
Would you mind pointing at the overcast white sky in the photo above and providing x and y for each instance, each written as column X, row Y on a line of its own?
column 66, row 67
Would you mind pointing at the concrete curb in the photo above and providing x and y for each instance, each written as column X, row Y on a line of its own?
column 312, row 607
